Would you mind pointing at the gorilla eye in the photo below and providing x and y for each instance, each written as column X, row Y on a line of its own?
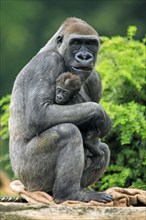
column 76, row 42
column 93, row 43
column 65, row 92
column 58, row 90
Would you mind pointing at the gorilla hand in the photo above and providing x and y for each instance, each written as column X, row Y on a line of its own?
column 102, row 122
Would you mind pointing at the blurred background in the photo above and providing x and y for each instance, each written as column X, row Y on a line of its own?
column 26, row 25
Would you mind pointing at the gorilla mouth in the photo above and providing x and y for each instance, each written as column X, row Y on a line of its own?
column 82, row 68
column 59, row 102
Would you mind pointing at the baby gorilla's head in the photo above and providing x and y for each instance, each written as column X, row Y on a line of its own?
column 67, row 85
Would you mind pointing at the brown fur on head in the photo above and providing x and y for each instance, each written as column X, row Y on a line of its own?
column 78, row 26
column 69, row 81
column 70, row 26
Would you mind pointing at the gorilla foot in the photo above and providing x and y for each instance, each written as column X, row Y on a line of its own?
column 85, row 196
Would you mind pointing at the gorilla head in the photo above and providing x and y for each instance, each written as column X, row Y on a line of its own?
column 67, row 86
column 78, row 43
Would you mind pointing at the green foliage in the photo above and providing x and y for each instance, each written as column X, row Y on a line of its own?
column 121, row 64
column 131, row 32
column 117, row 176
column 128, row 120
column 4, row 106
column 4, row 135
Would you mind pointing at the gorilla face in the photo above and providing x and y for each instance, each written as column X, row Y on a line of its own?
column 62, row 95
column 80, row 54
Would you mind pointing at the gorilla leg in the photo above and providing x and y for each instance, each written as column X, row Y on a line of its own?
column 51, row 157
column 69, row 171
column 54, row 162
column 89, row 175
column 69, row 167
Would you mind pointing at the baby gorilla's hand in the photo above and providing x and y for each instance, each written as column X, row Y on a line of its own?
column 102, row 123
column 96, row 162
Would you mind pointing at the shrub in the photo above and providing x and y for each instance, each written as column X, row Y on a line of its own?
column 121, row 64
column 4, row 105
column 4, row 135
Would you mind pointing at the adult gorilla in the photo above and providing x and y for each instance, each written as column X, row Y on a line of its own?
column 46, row 147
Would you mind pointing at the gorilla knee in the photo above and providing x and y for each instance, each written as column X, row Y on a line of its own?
column 69, row 130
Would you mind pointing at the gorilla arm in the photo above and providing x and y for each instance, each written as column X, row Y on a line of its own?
column 46, row 115
column 41, row 112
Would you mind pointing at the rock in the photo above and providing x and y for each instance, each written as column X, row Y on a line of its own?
column 25, row 211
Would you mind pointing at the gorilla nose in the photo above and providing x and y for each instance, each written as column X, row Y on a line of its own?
column 59, row 98
column 84, row 57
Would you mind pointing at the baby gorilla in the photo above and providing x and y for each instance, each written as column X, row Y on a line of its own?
column 68, row 88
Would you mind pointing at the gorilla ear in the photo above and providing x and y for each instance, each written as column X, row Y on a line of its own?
column 59, row 40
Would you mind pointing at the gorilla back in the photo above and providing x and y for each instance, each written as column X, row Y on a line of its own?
column 46, row 146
